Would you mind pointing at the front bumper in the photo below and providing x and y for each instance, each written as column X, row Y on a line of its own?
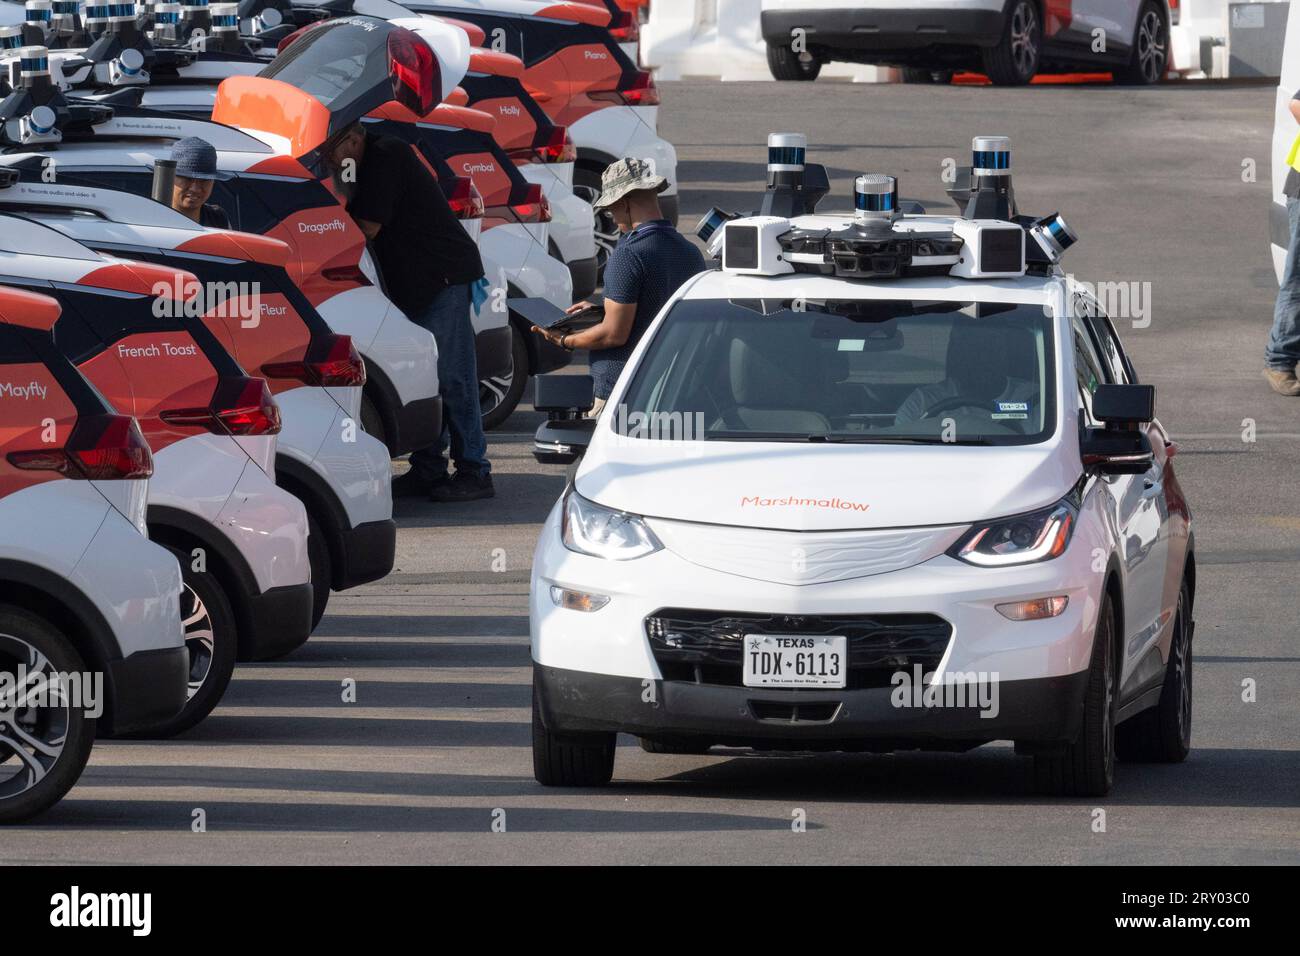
column 279, row 621
column 369, row 551
column 493, row 352
column 1046, row 711
column 149, row 687
column 584, row 273
column 884, row 30
column 976, row 639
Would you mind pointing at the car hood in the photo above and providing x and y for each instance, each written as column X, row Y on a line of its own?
column 820, row 487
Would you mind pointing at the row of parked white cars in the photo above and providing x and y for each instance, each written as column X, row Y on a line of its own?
column 210, row 414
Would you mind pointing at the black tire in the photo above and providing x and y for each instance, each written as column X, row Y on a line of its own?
column 570, row 760
column 1018, row 54
column 785, row 64
column 499, row 397
column 322, row 569
column 64, row 735
column 212, row 637
column 1163, row 734
column 1087, row 767
column 668, row 746
column 1150, row 55
column 372, row 422
column 912, row 74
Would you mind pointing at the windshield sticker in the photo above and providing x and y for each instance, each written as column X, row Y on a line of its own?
column 834, row 504
column 852, row 345
column 1013, row 406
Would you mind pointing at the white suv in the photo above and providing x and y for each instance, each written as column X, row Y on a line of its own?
column 880, row 482
column 1009, row 40
column 82, row 589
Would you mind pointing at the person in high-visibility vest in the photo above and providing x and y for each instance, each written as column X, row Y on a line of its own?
column 1283, row 351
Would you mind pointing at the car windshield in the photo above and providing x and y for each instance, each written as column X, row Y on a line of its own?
column 848, row 370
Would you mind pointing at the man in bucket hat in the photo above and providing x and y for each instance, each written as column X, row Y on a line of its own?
column 648, row 265
column 196, row 172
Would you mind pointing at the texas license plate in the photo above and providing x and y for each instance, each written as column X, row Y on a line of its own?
column 795, row 660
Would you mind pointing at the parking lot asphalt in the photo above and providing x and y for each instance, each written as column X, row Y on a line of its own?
column 432, row 760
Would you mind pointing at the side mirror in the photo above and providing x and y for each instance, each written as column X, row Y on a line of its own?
column 1124, row 405
column 563, row 438
column 563, row 396
column 562, row 442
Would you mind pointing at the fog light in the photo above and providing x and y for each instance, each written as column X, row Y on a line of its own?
column 1034, row 610
column 577, row 600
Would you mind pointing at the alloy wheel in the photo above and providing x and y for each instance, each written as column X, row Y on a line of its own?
column 198, row 638
column 1024, row 43
column 34, row 718
column 1151, row 47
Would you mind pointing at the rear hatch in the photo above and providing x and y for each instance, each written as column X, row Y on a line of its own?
column 125, row 325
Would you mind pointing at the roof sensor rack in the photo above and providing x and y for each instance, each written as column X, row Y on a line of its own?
column 887, row 238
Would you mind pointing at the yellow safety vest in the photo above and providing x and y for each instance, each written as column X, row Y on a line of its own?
column 1293, row 157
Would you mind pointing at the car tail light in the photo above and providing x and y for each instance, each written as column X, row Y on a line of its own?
column 534, row 208
column 100, row 448
column 352, row 273
column 411, row 63
column 624, row 27
column 465, row 199
column 640, row 92
column 556, row 146
column 331, row 360
column 240, row 406
column 1174, row 12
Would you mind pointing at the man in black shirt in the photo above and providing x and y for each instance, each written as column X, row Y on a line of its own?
column 429, row 264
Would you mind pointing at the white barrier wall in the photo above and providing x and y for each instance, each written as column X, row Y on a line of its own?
column 720, row 38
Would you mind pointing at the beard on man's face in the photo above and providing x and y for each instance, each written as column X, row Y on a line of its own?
column 346, row 189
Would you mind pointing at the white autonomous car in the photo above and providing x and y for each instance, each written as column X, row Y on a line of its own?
column 878, row 482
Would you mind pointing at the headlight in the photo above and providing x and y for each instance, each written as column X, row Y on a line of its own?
column 602, row 533
column 1024, row 539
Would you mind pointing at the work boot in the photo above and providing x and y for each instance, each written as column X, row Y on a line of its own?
column 463, row 486
column 1283, row 381
column 412, row 485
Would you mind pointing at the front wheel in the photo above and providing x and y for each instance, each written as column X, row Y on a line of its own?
column 570, row 760
column 785, row 64
column 211, row 638
column 1150, row 57
column 45, row 740
column 1163, row 734
column 1015, row 59
column 499, row 397
column 322, row 569
column 1087, row 766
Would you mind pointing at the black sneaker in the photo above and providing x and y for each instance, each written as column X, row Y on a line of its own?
column 463, row 487
column 412, row 485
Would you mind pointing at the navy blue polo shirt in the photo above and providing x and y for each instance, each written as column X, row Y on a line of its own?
column 647, row 266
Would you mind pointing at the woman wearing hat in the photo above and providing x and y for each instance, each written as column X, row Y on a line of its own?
column 196, row 172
